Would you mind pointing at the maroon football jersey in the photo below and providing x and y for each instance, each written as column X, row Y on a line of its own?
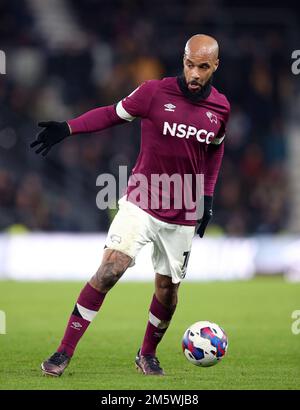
column 175, row 138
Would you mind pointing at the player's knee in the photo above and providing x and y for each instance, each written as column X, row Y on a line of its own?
column 113, row 266
column 167, row 294
column 107, row 280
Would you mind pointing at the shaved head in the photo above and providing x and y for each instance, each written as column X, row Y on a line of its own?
column 200, row 45
column 200, row 61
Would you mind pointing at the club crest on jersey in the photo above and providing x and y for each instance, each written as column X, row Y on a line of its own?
column 170, row 107
column 212, row 117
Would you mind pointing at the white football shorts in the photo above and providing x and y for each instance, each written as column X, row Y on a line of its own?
column 132, row 228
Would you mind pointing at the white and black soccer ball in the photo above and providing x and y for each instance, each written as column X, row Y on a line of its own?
column 204, row 343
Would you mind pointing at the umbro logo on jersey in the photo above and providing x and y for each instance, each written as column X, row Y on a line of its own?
column 170, row 107
column 212, row 117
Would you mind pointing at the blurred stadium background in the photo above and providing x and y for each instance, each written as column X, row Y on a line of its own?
column 65, row 57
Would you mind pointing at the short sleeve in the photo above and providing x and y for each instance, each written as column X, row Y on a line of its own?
column 137, row 103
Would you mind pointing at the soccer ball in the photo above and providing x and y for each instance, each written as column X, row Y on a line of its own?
column 204, row 343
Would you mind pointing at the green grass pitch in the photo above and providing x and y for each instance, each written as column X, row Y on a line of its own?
column 263, row 352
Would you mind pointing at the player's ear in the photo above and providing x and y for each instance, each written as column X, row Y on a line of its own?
column 216, row 65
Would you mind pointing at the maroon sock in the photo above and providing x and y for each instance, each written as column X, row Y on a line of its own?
column 159, row 319
column 86, row 308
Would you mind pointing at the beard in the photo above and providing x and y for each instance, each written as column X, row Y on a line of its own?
column 194, row 96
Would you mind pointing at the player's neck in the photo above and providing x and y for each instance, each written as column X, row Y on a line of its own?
column 194, row 96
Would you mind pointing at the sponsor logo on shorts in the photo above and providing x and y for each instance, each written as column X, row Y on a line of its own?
column 115, row 238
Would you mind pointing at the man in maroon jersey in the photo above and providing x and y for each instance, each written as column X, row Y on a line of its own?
column 183, row 128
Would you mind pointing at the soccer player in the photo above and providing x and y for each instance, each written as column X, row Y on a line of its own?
column 182, row 130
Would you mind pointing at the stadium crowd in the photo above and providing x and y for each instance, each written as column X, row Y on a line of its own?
column 125, row 43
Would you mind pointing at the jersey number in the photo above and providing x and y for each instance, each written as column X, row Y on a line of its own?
column 185, row 263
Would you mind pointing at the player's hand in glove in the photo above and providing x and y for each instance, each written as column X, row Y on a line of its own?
column 207, row 215
column 52, row 134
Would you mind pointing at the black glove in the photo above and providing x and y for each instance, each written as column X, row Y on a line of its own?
column 53, row 133
column 207, row 215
